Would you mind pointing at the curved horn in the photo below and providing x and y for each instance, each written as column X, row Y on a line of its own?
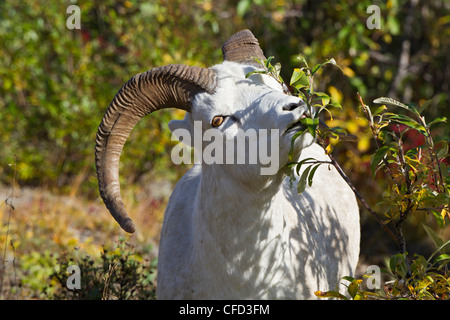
column 242, row 47
column 164, row 87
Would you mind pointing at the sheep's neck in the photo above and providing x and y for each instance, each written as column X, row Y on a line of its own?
column 237, row 228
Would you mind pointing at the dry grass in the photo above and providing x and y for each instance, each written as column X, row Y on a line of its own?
column 38, row 227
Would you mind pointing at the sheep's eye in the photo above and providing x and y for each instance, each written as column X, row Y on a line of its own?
column 217, row 121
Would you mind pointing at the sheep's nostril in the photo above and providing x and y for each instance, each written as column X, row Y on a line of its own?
column 294, row 105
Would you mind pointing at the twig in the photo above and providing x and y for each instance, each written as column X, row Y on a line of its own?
column 363, row 201
column 105, row 293
column 375, row 137
column 11, row 208
column 14, row 262
column 434, row 155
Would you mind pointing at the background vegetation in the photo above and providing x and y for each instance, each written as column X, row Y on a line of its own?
column 56, row 83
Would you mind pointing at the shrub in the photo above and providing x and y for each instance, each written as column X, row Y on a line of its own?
column 419, row 182
column 119, row 274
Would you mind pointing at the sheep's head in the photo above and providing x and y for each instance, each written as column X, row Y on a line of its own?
column 220, row 98
column 245, row 126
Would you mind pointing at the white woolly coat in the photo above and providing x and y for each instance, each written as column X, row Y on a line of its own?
column 230, row 234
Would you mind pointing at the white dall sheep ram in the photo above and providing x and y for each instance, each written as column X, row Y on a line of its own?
column 229, row 231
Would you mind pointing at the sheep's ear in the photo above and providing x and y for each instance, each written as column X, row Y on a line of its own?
column 183, row 130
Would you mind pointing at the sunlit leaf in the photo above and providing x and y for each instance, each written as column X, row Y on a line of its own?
column 437, row 120
column 267, row 63
column 385, row 100
column 311, row 124
column 408, row 122
column 438, row 250
column 353, row 287
column 330, row 294
column 318, row 66
column 299, row 79
column 378, row 110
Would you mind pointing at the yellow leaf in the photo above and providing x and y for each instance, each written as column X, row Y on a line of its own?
column 352, row 127
column 444, row 213
column 207, row 6
column 335, row 94
column 330, row 294
column 364, row 143
column 29, row 234
column 349, row 72
column 319, row 293
column 178, row 113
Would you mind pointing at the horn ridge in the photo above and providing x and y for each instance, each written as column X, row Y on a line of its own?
column 242, row 47
column 171, row 86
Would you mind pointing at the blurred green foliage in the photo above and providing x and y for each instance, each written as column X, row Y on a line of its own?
column 120, row 274
column 56, row 83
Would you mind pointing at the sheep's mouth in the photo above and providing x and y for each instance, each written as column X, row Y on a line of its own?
column 296, row 126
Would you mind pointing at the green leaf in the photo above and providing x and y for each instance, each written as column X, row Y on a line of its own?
column 397, row 265
column 277, row 70
column 433, row 236
column 302, row 182
column 311, row 174
column 437, row 120
column 299, row 79
column 385, row 100
column 299, row 164
column 255, row 72
column 379, row 110
column 424, row 105
column 442, row 257
column 320, row 96
column 268, row 65
column 311, row 124
column 378, row 156
column 348, row 278
column 353, row 287
column 407, row 121
column 438, row 250
column 335, row 104
column 439, row 218
column 302, row 59
column 318, row 66
column 442, row 151
column 242, row 7
column 260, row 61
column 296, row 135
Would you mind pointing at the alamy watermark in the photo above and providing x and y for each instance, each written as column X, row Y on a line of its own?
column 246, row 147
column 374, row 21
column 74, row 280
column 374, row 277
column 74, row 20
